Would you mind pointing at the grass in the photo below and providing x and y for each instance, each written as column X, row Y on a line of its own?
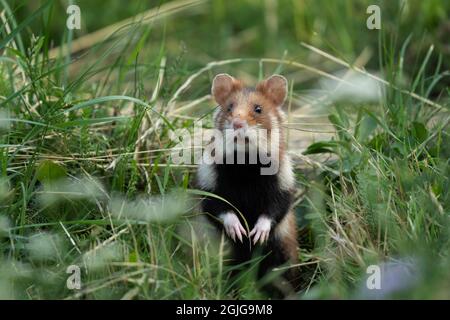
column 85, row 172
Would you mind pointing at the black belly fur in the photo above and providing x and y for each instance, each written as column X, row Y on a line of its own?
column 252, row 194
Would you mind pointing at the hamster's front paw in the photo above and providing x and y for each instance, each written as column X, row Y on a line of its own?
column 261, row 230
column 233, row 226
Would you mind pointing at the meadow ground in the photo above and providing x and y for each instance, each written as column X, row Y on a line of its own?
column 86, row 123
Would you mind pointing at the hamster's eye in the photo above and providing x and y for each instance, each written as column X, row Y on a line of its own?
column 257, row 108
column 230, row 107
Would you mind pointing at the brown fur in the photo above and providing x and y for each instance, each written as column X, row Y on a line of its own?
column 289, row 243
column 269, row 94
column 243, row 107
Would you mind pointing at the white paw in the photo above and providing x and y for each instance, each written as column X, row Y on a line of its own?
column 261, row 230
column 233, row 226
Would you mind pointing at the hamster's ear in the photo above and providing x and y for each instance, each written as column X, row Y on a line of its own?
column 274, row 88
column 223, row 85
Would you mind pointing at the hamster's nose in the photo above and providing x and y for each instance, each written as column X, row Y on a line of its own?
column 238, row 124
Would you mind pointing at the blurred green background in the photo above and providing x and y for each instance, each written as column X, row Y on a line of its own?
column 216, row 30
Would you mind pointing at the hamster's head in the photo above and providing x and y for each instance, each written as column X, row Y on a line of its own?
column 243, row 110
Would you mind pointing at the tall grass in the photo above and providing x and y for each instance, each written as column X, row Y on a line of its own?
column 85, row 172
